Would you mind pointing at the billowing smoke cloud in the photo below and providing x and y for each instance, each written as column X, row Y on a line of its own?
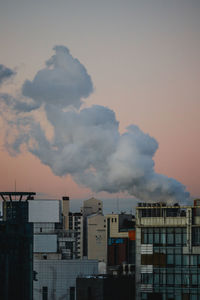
column 5, row 73
column 63, row 82
column 86, row 143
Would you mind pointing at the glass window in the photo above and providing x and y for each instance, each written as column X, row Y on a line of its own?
column 177, row 260
column 150, row 278
column 156, row 278
column 170, row 250
column 156, row 238
column 44, row 293
column 143, row 296
column 186, row 279
column 170, row 279
column 163, row 279
column 194, row 279
column 193, row 297
column 163, row 238
column 170, row 239
column 184, row 236
column 145, row 238
column 150, row 241
column 163, row 250
column 178, row 239
column 177, row 230
column 170, row 230
column 170, row 259
column 170, row 296
column 193, row 260
column 186, row 260
column 177, row 279
column 178, row 250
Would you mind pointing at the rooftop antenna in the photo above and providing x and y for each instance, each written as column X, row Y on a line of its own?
column 15, row 189
column 118, row 204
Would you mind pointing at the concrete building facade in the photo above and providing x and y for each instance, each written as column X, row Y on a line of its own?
column 97, row 243
column 56, row 279
column 91, row 207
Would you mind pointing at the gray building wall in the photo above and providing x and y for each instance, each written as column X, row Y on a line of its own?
column 57, row 276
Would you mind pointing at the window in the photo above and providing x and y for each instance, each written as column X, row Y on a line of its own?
column 170, row 279
column 186, row 260
column 194, row 279
column 72, row 293
column 178, row 260
column 44, row 293
column 170, row 259
column 177, row 279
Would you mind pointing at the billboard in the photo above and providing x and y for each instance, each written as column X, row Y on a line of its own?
column 43, row 211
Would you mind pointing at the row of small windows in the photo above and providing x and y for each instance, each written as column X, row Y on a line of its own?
column 170, row 295
column 171, row 279
column 114, row 220
column 169, row 260
column 164, row 236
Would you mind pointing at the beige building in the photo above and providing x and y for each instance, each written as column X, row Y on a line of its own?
column 97, row 241
column 114, row 221
column 92, row 206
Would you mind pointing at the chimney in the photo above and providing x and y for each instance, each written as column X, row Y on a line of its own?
column 65, row 213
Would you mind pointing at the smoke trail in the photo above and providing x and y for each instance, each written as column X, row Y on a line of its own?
column 86, row 143
column 5, row 73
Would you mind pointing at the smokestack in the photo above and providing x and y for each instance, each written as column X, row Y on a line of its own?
column 65, row 201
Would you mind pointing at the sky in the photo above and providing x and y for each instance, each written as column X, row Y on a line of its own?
column 143, row 60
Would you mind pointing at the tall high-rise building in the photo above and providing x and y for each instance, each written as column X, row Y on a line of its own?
column 16, row 248
column 167, row 251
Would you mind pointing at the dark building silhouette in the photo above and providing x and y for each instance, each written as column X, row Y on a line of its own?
column 105, row 288
column 16, row 248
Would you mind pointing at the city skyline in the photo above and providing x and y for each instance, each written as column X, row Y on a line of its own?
column 143, row 61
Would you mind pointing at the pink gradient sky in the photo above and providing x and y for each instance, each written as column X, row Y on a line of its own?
column 143, row 57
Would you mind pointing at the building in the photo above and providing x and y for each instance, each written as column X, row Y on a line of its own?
column 76, row 225
column 51, row 239
column 16, row 248
column 97, row 243
column 167, row 251
column 56, row 279
column 120, row 241
column 105, row 288
column 56, row 259
column 90, row 207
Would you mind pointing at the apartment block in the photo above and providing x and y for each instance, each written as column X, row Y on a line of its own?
column 167, row 251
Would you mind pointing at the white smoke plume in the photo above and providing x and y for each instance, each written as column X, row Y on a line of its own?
column 5, row 73
column 86, row 143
